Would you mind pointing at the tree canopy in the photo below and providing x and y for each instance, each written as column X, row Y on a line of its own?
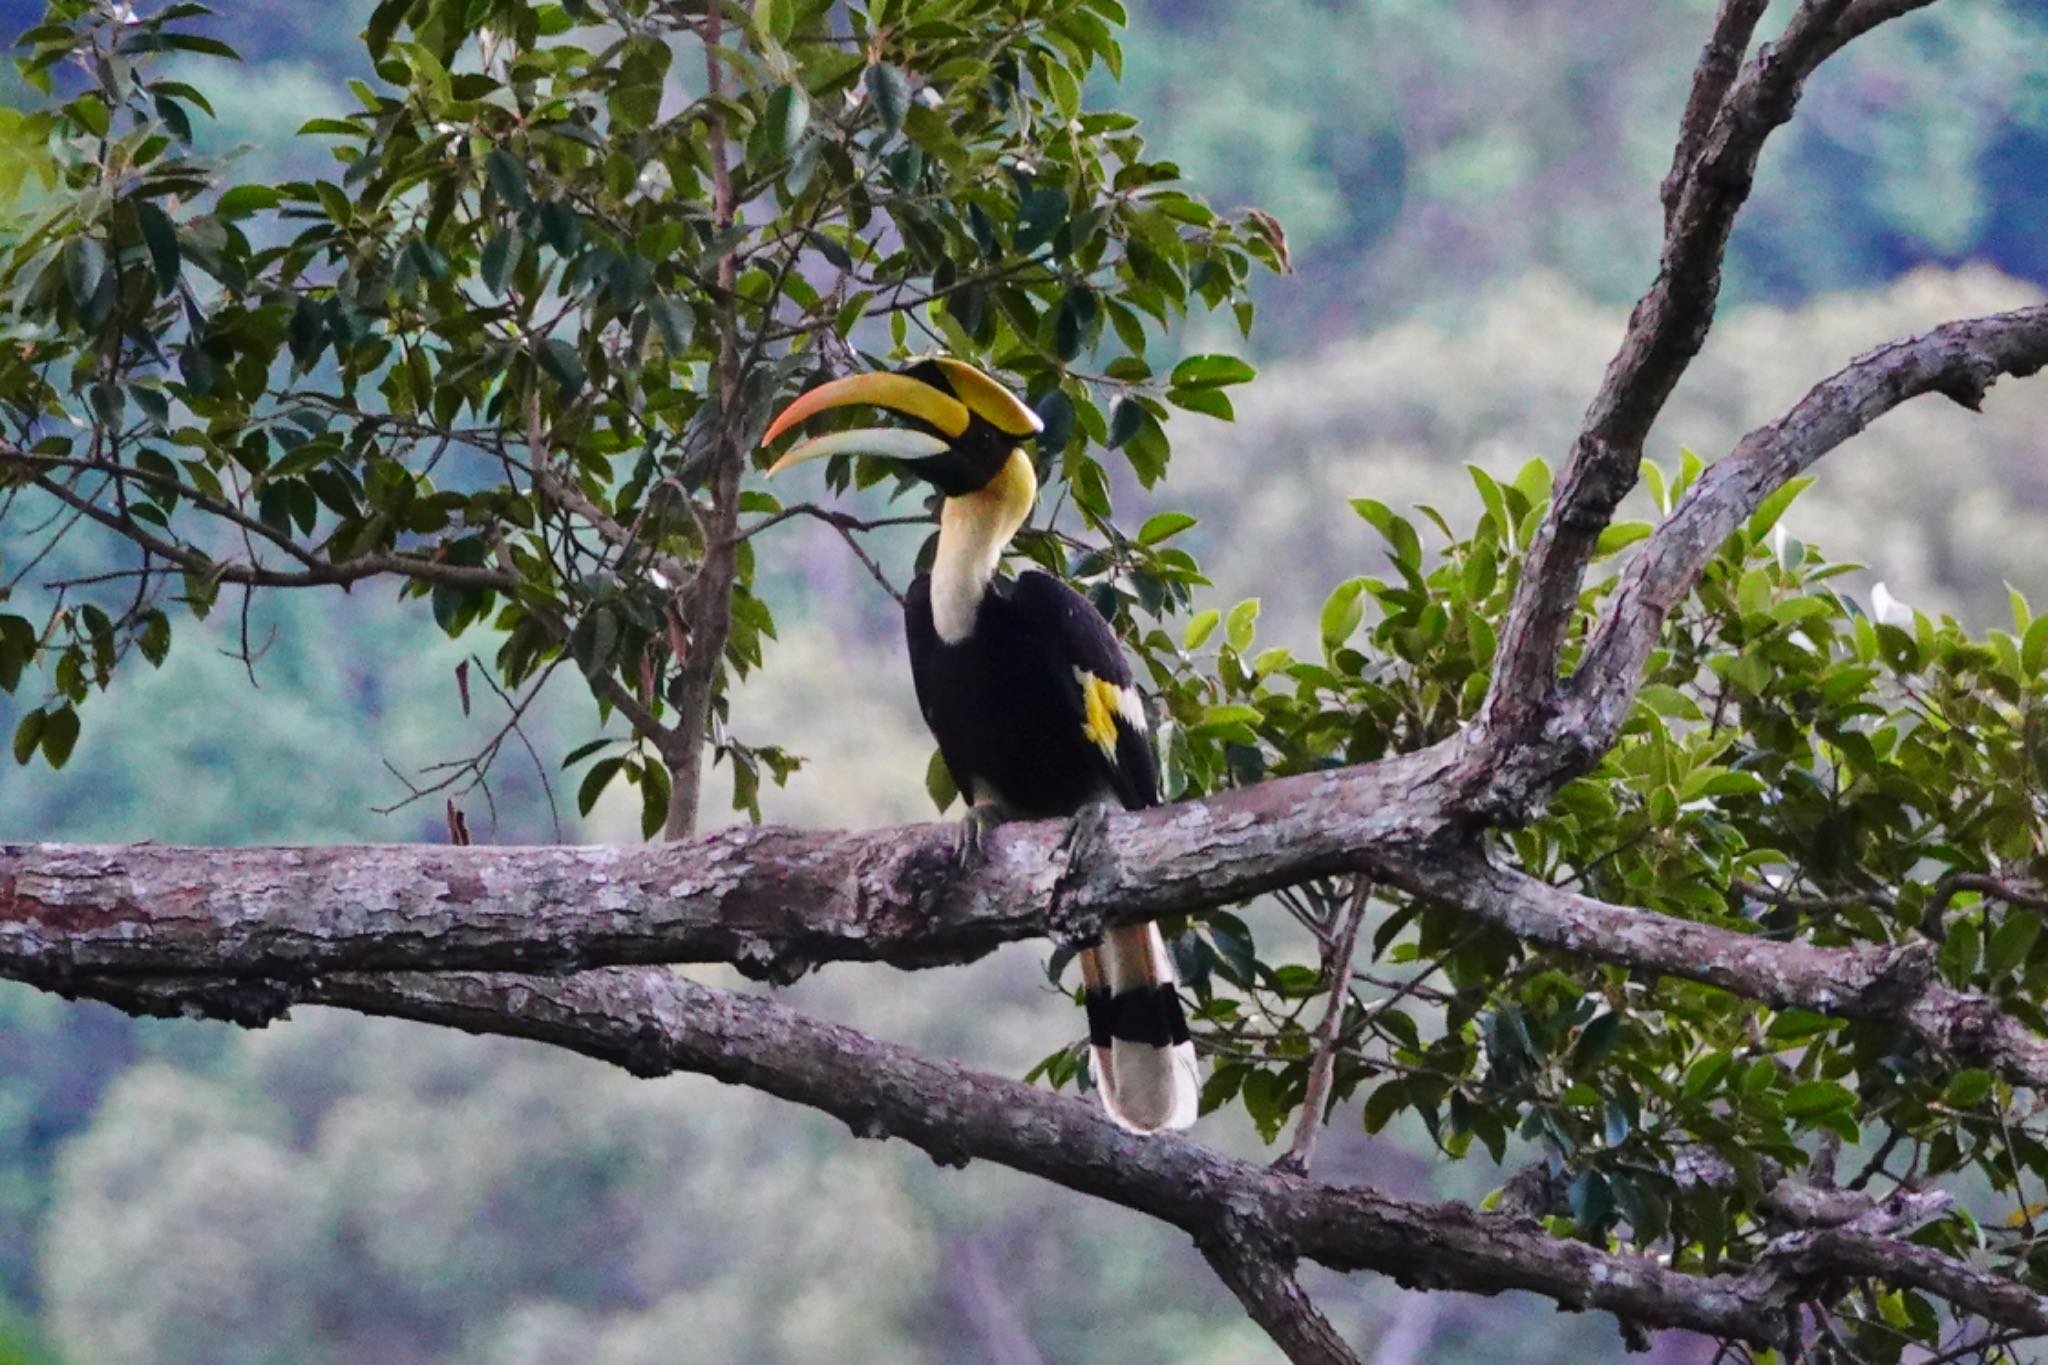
column 1637, row 858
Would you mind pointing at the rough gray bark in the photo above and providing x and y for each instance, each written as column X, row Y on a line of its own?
column 1256, row 1219
column 1712, row 172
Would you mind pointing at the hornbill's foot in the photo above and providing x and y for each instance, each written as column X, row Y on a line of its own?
column 974, row 829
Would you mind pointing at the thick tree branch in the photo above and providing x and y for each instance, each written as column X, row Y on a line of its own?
column 774, row 901
column 1895, row 985
column 1665, row 331
column 1734, row 26
column 1256, row 1218
column 1960, row 360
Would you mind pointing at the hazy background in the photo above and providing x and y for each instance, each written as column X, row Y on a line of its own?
column 1470, row 189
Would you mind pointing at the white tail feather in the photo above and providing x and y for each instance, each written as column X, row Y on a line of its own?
column 1144, row 1088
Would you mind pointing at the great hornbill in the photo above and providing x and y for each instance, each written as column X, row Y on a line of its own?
column 1024, row 688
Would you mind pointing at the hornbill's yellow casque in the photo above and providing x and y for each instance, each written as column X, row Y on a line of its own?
column 1024, row 687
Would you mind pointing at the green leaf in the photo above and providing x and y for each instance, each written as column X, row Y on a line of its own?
column 889, row 92
column 1809, row 1099
column 562, row 362
column 1967, row 1088
column 500, row 258
column 1620, row 535
column 1163, row 526
column 1666, row 700
column 60, row 733
column 1773, row 507
column 1040, row 214
column 1211, row 371
column 1056, row 411
column 1387, row 1099
column 1238, row 626
column 507, row 178
column 1532, row 481
column 243, row 200
column 17, row 648
column 198, row 371
column 1703, row 1075
column 1209, row 402
column 2034, row 647
column 28, row 736
column 161, row 238
column 90, row 114
column 1400, row 536
column 155, row 638
column 1127, row 418
column 1592, row 1201
column 594, row 783
column 788, row 114
column 583, row 751
column 1342, row 612
column 84, row 264
column 1200, row 628
column 2011, row 941
column 1265, row 1100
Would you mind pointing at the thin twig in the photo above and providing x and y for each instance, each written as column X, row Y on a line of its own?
column 1322, row 1066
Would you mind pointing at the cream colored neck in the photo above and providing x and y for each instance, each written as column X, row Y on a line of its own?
column 973, row 530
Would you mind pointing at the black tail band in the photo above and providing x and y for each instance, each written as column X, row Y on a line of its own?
column 1150, row 1014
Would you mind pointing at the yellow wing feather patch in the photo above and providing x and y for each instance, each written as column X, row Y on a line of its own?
column 1102, row 702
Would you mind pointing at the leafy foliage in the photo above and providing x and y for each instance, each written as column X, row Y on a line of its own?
column 516, row 351
column 1793, row 768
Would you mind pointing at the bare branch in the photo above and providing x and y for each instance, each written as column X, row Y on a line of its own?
column 1255, row 1218
column 1734, row 26
column 1264, row 1283
column 1960, row 360
column 564, row 493
column 122, row 474
column 1949, row 885
column 1665, row 331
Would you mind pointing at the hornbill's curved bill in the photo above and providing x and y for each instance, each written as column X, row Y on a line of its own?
column 1024, row 687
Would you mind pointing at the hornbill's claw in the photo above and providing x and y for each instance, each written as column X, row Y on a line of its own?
column 973, row 830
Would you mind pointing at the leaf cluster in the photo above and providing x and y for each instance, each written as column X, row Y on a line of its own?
column 566, row 265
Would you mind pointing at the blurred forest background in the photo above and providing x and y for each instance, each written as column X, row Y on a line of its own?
column 1470, row 190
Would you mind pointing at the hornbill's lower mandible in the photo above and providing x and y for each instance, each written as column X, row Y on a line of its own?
column 1024, row 687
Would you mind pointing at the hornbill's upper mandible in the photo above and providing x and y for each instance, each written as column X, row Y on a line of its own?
column 1024, row 687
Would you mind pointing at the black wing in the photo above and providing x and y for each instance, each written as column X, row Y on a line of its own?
column 1086, row 658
